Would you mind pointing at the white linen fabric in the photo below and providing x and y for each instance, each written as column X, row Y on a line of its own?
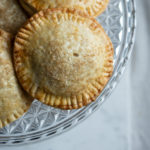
column 140, row 81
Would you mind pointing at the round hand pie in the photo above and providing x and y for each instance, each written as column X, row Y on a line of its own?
column 91, row 7
column 13, row 101
column 63, row 58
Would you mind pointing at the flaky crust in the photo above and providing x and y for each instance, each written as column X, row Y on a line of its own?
column 91, row 7
column 12, row 16
column 13, row 101
column 63, row 58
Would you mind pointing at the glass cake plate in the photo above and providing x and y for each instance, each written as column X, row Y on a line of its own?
column 42, row 121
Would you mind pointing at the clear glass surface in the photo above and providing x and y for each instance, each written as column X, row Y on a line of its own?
column 42, row 121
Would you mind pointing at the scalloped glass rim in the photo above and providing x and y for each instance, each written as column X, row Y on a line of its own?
column 123, row 48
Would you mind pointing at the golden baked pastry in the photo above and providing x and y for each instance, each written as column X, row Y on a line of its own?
column 63, row 58
column 91, row 7
column 13, row 101
column 11, row 16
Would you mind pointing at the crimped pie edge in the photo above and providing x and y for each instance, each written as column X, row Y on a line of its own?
column 73, row 102
column 18, row 112
column 98, row 8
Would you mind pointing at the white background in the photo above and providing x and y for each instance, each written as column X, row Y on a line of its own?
column 123, row 121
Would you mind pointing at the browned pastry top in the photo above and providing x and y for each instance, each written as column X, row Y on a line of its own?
column 12, row 17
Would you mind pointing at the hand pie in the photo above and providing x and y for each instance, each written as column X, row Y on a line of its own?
column 63, row 58
column 91, row 7
column 11, row 16
column 13, row 101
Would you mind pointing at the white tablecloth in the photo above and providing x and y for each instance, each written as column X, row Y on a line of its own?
column 139, row 118
column 123, row 122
